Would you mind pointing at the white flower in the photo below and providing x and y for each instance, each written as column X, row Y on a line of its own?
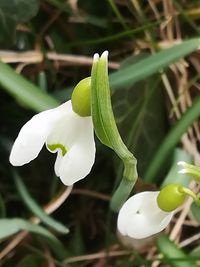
column 141, row 217
column 64, row 132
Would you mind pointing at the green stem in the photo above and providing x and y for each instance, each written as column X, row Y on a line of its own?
column 127, row 183
column 171, row 140
column 106, row 129
column 24, row 91
column 194, row 173
column 191, row 194
column 190, row 170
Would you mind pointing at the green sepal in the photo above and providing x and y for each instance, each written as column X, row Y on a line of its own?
column 100, row 100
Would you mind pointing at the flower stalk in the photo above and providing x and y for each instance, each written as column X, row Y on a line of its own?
column 106, row 128
column 190, row 193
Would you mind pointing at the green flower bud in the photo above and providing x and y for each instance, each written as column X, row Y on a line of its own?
column 81, row 98
column 170, row 197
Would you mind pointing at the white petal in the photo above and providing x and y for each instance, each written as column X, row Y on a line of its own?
column 57, row 163
column 33, row 134
column 66, row 130
column 78, row 161
column 141, row 217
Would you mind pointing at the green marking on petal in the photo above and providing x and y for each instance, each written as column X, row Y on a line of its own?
column 53, row 147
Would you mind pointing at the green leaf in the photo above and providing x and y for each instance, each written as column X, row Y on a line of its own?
column 171, row 140
column 152, row 64
column 35, row 208
column 31, row 260
column 10, row 227
column 173, row 255
column 195, row 253
column 139, row 112
column 25, row 10
column 77, row 244
column 11, row 13
column 24, row 91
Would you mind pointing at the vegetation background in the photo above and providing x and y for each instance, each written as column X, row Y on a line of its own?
column 49, row 45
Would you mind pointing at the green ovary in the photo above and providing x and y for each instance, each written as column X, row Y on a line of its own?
column 53, row 147
column 81, row 98
column 170, row 197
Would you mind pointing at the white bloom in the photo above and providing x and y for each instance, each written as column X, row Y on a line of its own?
column 141, row 217
column 64, row 132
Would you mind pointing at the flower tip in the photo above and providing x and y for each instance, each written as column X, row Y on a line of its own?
column 181, row 163
column 96, row 57
column 11, row 160
column 182, row 171
column 14, row 161
column 104, row 55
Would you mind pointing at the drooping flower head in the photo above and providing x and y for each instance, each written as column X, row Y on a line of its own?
column 66, row 130
column 141, row 217
column 148, row 213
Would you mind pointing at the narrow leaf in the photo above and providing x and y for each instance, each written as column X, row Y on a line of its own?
column 171, row 140
column 24, row 91
column 35, row 208
column 10, row 227
column 30, row 260
column 173, row 255
column 152, row 64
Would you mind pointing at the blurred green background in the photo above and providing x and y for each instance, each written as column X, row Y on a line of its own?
column 46, row 48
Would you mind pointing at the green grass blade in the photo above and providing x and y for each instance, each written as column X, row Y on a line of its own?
column 9, row 227
column 24, row 91
column 35, row 208
column 12, row 226
column 172, row 254
column 152, row 64
column 171, row 139
column 116, row 36
column 117, row 13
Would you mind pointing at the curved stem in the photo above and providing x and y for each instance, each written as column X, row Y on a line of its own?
column 107, row 131
column 191, row 194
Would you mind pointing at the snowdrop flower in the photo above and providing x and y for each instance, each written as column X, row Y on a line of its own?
column 66, row 130
column 190, row 169
column 140, row 216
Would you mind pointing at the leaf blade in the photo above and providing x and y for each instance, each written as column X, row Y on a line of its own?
column 175, row 256
column 25, row 91
column 152, row 64
column 35, row 208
